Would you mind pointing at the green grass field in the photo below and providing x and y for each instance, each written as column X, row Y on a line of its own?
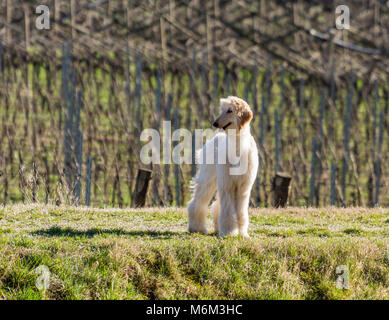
column 148, row 254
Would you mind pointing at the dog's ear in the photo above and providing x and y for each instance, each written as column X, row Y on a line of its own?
column 245, row 117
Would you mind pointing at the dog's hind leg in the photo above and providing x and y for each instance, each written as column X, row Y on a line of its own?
column 215, row 209
column 205, row 188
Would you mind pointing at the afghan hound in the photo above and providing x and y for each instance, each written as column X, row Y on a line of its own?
column 228, row 165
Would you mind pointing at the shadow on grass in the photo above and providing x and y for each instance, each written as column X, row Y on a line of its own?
column 90, row 233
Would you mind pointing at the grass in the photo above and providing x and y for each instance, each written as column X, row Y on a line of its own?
column 147, row 254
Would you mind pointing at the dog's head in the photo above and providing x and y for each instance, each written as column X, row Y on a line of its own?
column 235, row 113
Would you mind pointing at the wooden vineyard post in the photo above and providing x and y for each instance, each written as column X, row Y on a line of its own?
column 333, row 183
column 1, row 65
column 346, row 137
column 127, row 77
column 177, row 166
column 313, row 176
column 88, row 181
column 141, row 186
column 138, row 93
column 26, row 9
column 281, row 183
column 167, row 194
column 73, row 13
column 8, row 33
column 377, row 166
column 77, row 141
column 281, row 109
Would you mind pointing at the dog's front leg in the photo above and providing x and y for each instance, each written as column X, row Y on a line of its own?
column 228, row 219
column 242, row 210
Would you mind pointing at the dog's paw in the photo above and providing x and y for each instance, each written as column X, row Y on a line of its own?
column 197, row 230
column 230, row 233
column 245, row 235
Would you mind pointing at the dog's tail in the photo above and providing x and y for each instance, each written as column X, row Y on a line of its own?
column 193, row 184
column 195, row 181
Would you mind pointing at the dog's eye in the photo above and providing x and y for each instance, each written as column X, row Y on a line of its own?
column 229, row 111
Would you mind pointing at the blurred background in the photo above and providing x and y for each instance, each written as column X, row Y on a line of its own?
column 74, row 98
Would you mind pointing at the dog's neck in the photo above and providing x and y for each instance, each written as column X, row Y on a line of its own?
column 245, row 130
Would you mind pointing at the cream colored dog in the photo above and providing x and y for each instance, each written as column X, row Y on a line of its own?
column 232, row 174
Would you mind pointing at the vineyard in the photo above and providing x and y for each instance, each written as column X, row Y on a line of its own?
column 74, row 99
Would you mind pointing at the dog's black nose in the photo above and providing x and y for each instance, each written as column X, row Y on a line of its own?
column 215, row 124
